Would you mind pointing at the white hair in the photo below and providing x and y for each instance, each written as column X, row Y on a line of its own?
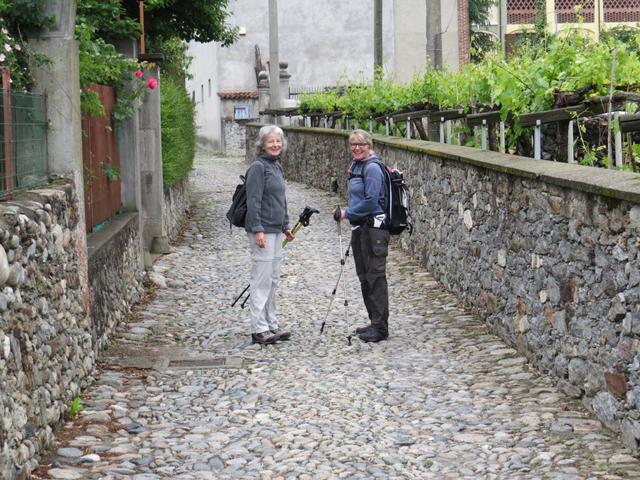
column 264, row 133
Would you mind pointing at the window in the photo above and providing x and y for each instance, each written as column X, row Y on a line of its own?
column 241, row 112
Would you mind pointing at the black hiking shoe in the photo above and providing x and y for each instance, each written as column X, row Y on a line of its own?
column 263, row 338
column 373, row 335
column 280, row 334
column 360, row 330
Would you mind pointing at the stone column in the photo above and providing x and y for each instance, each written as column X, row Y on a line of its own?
column 285, row 77
column 154, row 232
column 263, row 91
column 128, row 135
column 59, row 80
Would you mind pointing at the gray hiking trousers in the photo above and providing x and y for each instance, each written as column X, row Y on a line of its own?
column 266, row 264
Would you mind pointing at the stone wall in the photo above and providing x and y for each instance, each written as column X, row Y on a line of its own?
column 46, row 353
column 234, row 138
column 115, row 275
column 547, row 253
column 176, row 203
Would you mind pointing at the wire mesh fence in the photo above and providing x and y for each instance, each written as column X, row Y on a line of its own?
column 23, row 141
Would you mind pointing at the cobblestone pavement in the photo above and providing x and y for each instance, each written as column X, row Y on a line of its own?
column 442, row 399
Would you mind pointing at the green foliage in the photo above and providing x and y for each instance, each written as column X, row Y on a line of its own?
column 178, row 132
column 74, row 409
column 17, row 17
column 479, row 11
column 176, row 60
column 108, row 19
column 199, row 20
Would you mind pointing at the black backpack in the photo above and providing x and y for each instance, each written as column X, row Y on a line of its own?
column 396, row 200
column 238, row 209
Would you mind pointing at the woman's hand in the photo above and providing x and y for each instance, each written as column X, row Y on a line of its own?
column 260, row 240
column 290, row 236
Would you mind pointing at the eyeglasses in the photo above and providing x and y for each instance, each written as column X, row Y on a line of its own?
column 356, row 145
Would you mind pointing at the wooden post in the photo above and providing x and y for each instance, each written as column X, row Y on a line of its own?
column 141, row 14
column 8, row 130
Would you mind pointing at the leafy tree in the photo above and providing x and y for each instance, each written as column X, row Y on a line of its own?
column 199, row 20
column 479, row 11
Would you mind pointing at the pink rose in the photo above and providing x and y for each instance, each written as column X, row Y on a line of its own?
column 138, row 73
column 152, row 83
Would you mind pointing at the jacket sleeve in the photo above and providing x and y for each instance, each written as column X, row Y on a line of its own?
column 373, row 179
column 255, row 189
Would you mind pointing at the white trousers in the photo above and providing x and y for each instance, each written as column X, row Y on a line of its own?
column 266, row 264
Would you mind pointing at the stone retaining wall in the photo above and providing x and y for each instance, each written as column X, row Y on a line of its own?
column 116, row 272
column 547, row 253
column 46, row 353
column 176, row 204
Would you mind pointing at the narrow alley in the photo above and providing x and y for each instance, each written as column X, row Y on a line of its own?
column 183, row 394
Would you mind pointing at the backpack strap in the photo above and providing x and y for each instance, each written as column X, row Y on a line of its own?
column 386, row 180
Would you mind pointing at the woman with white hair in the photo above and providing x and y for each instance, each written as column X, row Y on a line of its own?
column 267, row 224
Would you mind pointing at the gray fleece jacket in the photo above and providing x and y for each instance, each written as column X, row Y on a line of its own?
column 266, row 201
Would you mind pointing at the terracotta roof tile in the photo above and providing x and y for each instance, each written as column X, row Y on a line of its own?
column 237, row 94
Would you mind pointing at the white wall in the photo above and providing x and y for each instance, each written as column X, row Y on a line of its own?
column 449, row 18
column 207, row 103
column 323, row 42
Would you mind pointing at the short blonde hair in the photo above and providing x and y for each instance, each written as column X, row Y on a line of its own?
column 264, row 133
column 362, row 136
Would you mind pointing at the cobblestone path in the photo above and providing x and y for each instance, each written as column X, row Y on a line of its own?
column 442, row 399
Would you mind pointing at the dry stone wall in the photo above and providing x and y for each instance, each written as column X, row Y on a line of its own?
column 45, row 336
column 547, row 253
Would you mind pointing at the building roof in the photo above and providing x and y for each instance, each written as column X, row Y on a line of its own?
column 237, row 94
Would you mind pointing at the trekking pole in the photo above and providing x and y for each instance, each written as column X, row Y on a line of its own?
column 303, row 221
column 343, row 260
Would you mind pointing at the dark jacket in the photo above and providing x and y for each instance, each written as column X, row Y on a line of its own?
column 366, row 190
column 266, row 201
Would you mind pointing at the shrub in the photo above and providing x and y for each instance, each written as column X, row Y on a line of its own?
column 178, row 132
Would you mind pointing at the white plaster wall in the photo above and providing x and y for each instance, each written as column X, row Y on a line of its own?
column 410, row 38
column 323, row 42
column 204, row 71
column 449, row 18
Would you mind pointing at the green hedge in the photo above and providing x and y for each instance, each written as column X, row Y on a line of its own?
column 178, row 132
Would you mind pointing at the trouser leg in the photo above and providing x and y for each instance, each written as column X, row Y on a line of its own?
column 361, row 260
column 270, row 307
column 261, row 281
column 372, row 245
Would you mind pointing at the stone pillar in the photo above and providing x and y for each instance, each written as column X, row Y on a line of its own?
column 128, row 135
column 59, row 81
column 263, row 90
column 154, row 232
column 285, row 77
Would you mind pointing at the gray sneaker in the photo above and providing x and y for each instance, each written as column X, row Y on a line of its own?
column 263, row 338
column 280, row 334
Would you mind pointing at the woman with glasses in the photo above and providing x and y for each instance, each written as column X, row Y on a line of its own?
column 369, row 237
column 267, row 224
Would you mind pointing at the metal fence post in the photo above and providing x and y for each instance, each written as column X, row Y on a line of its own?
column 441, row 129
column 408, row 127
column 503, row 143
column 537, row 141
column 8, row 130
column 370, row 125
column 570, row 154
column 386, row 126
column 325, row 121
column 484, row 134
column 618, row 142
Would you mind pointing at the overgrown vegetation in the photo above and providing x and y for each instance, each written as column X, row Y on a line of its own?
column 178, row 132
